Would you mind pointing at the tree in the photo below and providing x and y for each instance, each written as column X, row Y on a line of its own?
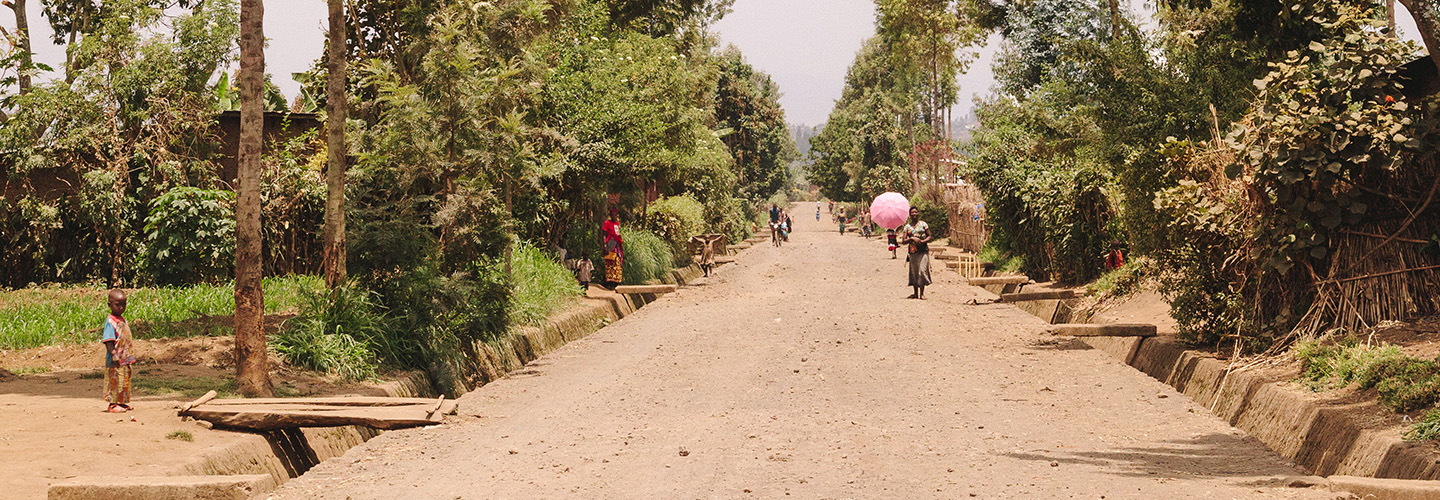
column 1427, row 20
column 21, row 41
column 747, row 103
column 335, row 115
column 252, row 375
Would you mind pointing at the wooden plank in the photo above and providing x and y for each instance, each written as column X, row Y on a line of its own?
column 277, row 415
column 1045, row 295
column 1104, row 330
column 1000, row 280
column 325, row 401
column 633, row 289
column 203, row 399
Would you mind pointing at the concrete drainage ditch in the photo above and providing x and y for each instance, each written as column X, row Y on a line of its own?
column 1326, row 440
column 258, row 463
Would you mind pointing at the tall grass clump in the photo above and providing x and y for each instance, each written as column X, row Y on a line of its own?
column 334, row 333
column 541, row 285
column 647, row 257
column 40, row 316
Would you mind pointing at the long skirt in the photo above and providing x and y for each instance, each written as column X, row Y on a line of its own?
column 614, row 271
column 920, row 269
column 117, row 384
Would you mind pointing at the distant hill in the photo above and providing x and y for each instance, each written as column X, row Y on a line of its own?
column 802, row 134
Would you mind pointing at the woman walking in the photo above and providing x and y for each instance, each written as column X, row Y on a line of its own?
column 614, row 250
column 917, row 235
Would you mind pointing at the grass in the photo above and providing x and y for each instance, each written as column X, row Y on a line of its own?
column 647, row 256
column 1402, row 383
column 1004, row 263
column 30, row 370
column 49, row 315
column 1124, row 281
column 541, row 285
column 190, row 387
column 185, row 436
column 334, row 333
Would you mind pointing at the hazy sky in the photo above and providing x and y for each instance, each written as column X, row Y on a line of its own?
column 805, row 45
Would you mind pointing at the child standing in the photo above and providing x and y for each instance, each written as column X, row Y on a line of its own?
column 119, row 354
column 890, row 239
column 583, row 270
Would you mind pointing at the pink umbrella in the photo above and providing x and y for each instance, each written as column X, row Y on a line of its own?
column 890, row 210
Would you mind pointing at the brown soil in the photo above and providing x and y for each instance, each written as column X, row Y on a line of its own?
column 803, row 372
column 54, row 426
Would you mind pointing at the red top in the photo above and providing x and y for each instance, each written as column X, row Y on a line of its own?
column 612, row 231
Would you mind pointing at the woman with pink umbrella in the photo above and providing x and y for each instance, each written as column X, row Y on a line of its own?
column 890, row 210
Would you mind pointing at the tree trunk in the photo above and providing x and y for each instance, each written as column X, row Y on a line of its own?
column 336, row 112
column 1115, row 19
column 1390, row 18
column 1425, row 12
column 252, row 374
column 22, row 39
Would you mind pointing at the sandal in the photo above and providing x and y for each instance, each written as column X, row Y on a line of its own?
column 116, row 409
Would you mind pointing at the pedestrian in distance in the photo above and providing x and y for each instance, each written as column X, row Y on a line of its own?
column 917, row 239
column 614, row 250
column 892, row 240
column 583, row 269
column 119, row 354
column 774, row 213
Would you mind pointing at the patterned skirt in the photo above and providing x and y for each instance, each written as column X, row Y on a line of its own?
column 920, row 269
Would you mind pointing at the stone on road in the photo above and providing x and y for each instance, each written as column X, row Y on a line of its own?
column 803, row 371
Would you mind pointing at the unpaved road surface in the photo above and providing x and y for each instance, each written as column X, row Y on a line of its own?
column 804, row 372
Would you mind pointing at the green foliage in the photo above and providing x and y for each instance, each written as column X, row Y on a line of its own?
column 41, row 316
column 1126, row 280
column 1254, row 220
column 1427, row 428
column 731, row 217
column 1340, row 364
column 747, row 108
column 676, row 219
column 1004, row 263
column 1048, row 209
column 936, row 215
column 132, row 121
column 190, row 236
column 647, row 257
column 333, row 333
column 1402, row 383
column 541, row 286
column 185, row 436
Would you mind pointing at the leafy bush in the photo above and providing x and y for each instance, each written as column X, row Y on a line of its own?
column 647, row 257
column 190, row 236
column 1257, row 216
column 936, row 215
column 729, row 216
column 333, row 333
column 541, row 286
column 676, row 219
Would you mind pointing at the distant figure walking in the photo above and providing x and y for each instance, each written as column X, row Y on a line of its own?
column 841, row 219
column 774, row 213
column 614, row 250
column 583, row 269
column 917, row 236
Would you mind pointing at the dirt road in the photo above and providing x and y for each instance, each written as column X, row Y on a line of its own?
column 804, row 372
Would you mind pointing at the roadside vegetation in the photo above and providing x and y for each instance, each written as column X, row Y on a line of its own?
column 70, row 314
column 1402, row 383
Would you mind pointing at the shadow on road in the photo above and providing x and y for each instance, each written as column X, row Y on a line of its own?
column 1211, row 455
